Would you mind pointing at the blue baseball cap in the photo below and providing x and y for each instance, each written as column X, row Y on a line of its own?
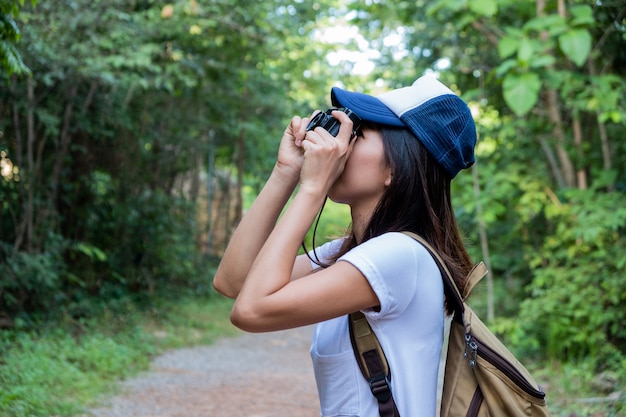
column 439, row 119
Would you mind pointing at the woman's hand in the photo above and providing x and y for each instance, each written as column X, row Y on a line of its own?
column 290, row 152
column 255, row 227
column 325, row 156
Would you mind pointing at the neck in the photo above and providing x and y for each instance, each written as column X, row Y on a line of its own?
column 361, row 217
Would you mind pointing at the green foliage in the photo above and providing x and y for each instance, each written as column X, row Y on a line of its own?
column 521, row 92
column 529, row 53
column 10, row 59
column 189, row 321
column 28, row 280
column 579, row 303
column 574, row 388
column 54, row 374
column 551, row 183
column 64, row 370
column 126, row 105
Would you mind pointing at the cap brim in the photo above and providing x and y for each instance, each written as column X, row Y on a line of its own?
column 367, row 107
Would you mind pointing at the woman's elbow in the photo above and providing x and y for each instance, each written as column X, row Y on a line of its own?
column 247, row 319
column 222, row 286
column 240, row 319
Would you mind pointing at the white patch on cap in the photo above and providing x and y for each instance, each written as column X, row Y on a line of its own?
column 404, row 99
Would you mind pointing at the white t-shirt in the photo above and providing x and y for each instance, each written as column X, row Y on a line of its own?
column 409, row 326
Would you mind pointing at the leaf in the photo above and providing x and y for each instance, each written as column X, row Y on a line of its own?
column 525, row 51
column 521, row 92
column 582, row 15
column 484, row 7
column 91, row 251
column 10, row 60
column 543, row 61
column 551, row 23
column 505, row 67
column 576, row 45
column 441, row 5
column 507, row 46
column 613, row 116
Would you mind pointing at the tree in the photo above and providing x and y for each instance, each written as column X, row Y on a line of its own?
column 127, row 106
column 10, row 59
column 546, row 80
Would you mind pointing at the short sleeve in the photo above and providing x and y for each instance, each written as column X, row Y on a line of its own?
column 325, row 252
column 390, row 263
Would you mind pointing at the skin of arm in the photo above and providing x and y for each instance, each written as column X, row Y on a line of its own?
column 251, row 234
column 268, row 295
column 257, row 224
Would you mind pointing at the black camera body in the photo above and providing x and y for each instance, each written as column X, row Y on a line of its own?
column 326, row 121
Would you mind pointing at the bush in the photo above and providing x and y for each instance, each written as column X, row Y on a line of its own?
column 70, row 365
column 128, row 245
column 578, row 304
column 53, row 374
column 31, row 281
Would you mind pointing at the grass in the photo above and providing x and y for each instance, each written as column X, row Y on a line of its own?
column 573, row 390
column 190, row 322
column 60, row 371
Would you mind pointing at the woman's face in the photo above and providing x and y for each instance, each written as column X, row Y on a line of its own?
column 366, row 173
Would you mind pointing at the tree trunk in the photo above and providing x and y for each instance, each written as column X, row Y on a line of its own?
column 554, row 166
column 554, row 114
column 29, row 208
column 20, row 227
column 484, row 242
column 606, row 149
column 581, row 174
column 63, row 146
column 604, row 137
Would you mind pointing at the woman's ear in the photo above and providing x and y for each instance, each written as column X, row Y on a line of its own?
column 388, row 177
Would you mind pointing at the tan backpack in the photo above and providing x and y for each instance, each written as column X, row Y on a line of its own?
column 482, row 377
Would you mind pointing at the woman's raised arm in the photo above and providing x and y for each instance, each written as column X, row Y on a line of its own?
column 258, row 223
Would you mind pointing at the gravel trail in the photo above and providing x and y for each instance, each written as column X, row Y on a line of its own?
column 252, row 375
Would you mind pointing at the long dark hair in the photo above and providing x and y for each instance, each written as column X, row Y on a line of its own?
column 417, row 200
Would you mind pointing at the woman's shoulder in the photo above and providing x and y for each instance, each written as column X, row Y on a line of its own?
column 395, row 266
column 397, row 240
column 391, row 246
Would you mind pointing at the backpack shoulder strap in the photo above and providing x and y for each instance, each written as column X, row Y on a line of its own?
column 476, row 274
column 373, row 363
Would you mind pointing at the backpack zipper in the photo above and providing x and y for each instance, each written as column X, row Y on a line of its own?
column 474, row 347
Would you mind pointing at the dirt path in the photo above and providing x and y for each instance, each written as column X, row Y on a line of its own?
column 253, row 375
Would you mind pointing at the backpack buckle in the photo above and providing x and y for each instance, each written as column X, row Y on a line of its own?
column 380, row 387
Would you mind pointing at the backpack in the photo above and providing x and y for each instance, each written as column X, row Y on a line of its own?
column 482, row 377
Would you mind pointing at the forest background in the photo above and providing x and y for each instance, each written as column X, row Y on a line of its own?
column 133, row 135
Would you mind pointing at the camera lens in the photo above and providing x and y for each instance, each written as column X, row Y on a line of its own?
column 326, row 121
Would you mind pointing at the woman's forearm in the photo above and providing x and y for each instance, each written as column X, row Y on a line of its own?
column 252, row 232
column 273, row 266
column 324, row 158
column 271, row 272
column 270, row 296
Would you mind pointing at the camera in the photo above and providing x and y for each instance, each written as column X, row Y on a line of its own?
column 326, row 121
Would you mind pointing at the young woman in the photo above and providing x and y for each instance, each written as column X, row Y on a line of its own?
column 395, row 176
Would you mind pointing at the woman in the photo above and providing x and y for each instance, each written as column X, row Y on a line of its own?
column 395, row 177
